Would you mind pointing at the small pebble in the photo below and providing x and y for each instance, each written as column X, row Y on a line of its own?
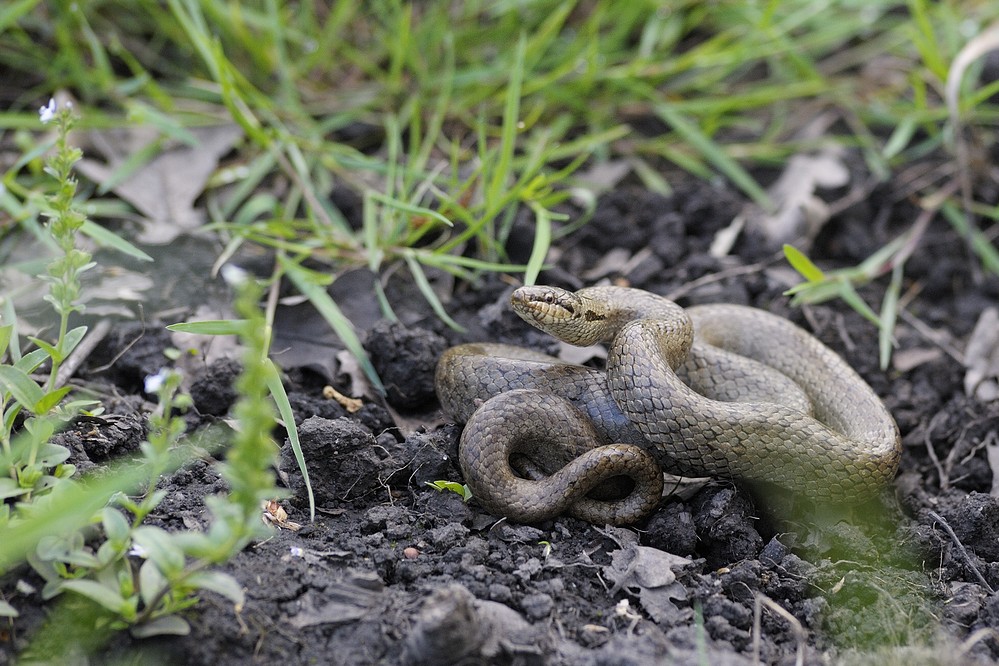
column 411, row 553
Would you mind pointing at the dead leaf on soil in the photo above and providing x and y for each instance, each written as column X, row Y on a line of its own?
column 359, row 384
column 603, row 176
column 800, row 212
column 650, row 572
column 992, row 456
column 455, row 627
column 339, row 603
column 274, row 514
column 905, row 360
column 163, row 189
column 981, row 358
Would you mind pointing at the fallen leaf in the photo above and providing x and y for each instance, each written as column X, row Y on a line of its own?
column 164, row 188
column 649, row 572
column 905, row 360
column 981, row 358
column 799, row 213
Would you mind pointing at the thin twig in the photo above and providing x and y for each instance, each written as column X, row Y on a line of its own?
column 711, row 278
column 942, row 475
column 962, row 550
column 132, row 343
column 762, row 600
column 924, row 330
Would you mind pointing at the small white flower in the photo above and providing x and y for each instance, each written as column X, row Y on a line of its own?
column 47, row 112
column 155, row 382
column 297, row 552
column 234, row 275
column 138, row 551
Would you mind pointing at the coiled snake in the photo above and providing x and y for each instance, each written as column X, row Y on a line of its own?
column 711, row 390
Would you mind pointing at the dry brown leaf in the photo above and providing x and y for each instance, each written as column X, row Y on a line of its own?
column 274, row 514
column 163, row 189
column 800, row 212
column 981, row 358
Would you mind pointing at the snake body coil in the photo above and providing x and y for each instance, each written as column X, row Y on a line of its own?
column 714, row 390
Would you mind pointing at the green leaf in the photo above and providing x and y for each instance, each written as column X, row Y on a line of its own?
column 11, row 12
column 219, row 582
column 511, row 120
column 453, row 486
column 5, row 334
column 50, row 454
column 213, row 327
column 166, row 625
column 151, row 582
column 198, row 544
column 81, row 558
column 51, row 400
column 161, row 548
column 280, row 397
column 116, row 527
column 10, row 488
column 6, row 610
column 803, row 264
column 30, row 361
column 48, row 348
column 107, row 597
column 67, row 508
column 7, row 313
column 108, row 552
column 72, row 339
column 412, row 209
column 19, row 385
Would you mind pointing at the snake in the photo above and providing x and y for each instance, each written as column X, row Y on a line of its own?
column 718, row 390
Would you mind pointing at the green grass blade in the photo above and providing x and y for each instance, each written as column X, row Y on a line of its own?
column 692, row 134
column 210, row 327
column 428, row 292
column 542, row 243
column 980, row 243
column 849, row 294
column 889, row 315
column 280, row 397
column 107, row 238
column 14, row 11
column 329, row 310
column 801, row 263
column 511, row 118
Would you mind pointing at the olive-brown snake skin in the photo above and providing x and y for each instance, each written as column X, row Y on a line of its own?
column 713, row 390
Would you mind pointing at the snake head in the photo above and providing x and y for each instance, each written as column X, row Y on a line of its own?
column 566, row 315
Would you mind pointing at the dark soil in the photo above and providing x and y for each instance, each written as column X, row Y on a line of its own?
column 393, row 571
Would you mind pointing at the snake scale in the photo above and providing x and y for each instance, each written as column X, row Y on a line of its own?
column 710, row 390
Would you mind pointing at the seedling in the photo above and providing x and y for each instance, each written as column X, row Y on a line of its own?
column 459, row 489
